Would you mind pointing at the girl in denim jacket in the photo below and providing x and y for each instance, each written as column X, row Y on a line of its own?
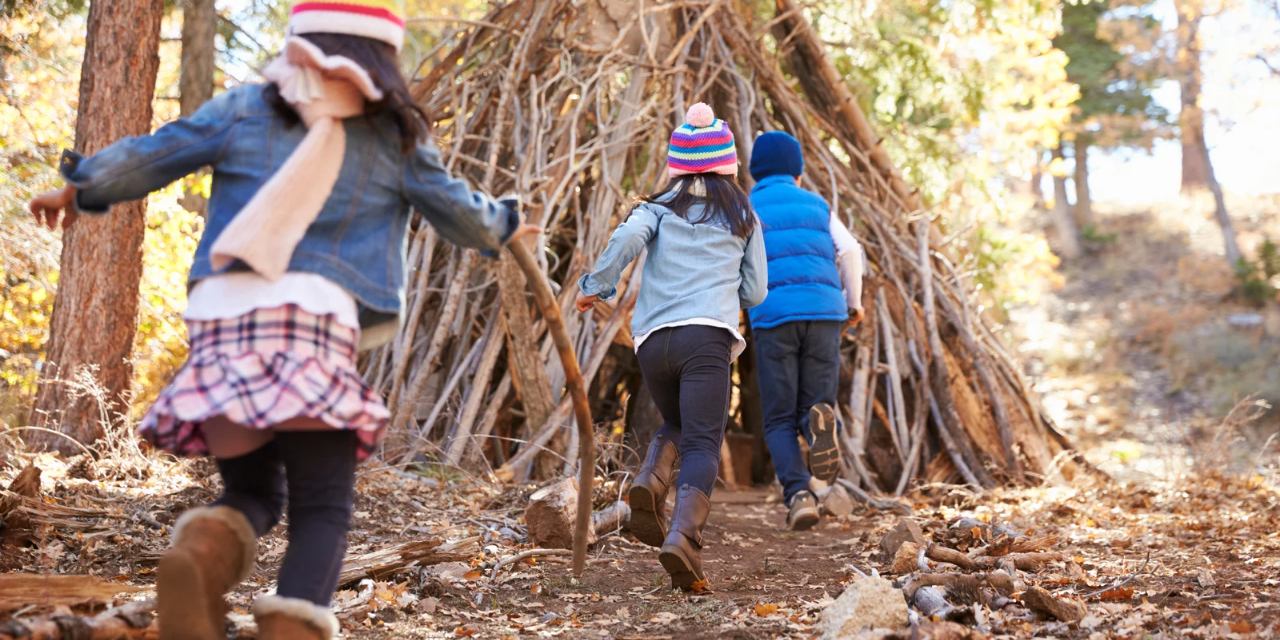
column 302, row 263
column 706, row 263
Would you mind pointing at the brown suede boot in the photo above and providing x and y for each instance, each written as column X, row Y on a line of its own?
column 648, row 495
column 214, row 549
column 682, row 551
column 293, row 619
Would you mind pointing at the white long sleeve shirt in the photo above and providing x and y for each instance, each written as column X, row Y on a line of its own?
column 849, row 260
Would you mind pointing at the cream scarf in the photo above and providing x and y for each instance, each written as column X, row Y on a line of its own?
column 323, row 90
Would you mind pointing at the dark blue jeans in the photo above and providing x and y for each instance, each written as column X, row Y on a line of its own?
column 316, row 472
column 687, row 372
column 798, row 365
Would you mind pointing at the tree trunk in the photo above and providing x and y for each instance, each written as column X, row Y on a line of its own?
column 1037, row 177
column 95, row 314
column 1068, row 233
column 1195, row 156
column 1231, row 248
column 1084, row 202
column 199, row 25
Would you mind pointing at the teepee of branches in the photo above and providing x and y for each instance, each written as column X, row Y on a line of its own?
column 569, row 104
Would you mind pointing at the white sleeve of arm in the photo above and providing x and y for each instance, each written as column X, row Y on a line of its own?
column 849, row 261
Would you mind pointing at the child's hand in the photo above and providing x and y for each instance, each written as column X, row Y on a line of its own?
column 47, row 207
column 856, row 316
column 587, row 303
column 525, row 230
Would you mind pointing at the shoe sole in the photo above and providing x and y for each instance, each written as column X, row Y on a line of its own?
column 824, row 452
column 678, row 567
column 646, row 525
column 804, row 520
column 181, row 601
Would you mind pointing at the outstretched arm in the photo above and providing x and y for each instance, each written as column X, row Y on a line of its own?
column 134, row 167
column 625, row 244
column 464, row 217
column 849, row 261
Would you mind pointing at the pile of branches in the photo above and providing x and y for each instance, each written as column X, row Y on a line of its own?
column 969, row 566
column 569, row 104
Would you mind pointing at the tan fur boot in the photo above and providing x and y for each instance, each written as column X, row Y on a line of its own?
column 293, row 619
column 214, row 549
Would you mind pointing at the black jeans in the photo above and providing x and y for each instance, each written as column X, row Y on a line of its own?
column 687, row 372
column 316, row 471
column 798, row 367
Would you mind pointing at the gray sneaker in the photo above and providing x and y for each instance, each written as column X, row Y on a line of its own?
column 802, row 513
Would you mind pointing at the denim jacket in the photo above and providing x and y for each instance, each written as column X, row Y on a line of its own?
column 693, row 270
column 359, row 240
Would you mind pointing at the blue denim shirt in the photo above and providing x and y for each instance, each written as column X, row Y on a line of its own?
column 693, row 270
column 359, row 240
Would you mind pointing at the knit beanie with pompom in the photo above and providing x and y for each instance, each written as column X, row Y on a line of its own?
column 702, row 145
column 376, row 19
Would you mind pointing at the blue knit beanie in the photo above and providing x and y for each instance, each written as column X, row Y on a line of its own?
column 776, row 153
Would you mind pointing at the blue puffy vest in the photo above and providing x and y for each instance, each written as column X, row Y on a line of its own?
column 804, row 283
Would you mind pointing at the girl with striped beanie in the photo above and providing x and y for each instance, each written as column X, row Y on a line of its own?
column 706, row 263
column 302, row 264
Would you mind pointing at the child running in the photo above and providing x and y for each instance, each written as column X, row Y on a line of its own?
column 797, row 329
column 706, row 263
column 301, row 264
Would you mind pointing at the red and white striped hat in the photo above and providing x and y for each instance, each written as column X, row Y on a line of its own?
column 377, row 19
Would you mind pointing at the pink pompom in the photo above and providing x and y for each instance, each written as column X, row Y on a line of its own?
column 700, row 115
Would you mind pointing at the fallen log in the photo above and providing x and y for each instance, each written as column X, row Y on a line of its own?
column 939, row 553
column 1044, row 603
column 932, row 602
column 132, row 621
column 384, row 562
column 998, row 580
column 1022, row 561
column 18, row 590
column 553, row 512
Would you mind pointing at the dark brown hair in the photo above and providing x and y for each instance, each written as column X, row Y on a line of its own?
column 383, row 65
column 724, row 201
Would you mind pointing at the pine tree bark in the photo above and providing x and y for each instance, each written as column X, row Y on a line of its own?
column 199, row 61
column 1195, row 156
column 95, row 313
column 1084, row 201
column 199, row 25
column 1068, row 233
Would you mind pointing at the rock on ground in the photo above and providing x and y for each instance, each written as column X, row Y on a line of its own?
column 867, row 603
column 905, row 531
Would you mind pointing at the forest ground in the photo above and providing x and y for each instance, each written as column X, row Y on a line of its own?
column 1129, row 355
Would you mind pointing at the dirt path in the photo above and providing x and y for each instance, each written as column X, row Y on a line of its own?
column 1136, row 358
column 1194, row 559
column 750, row 559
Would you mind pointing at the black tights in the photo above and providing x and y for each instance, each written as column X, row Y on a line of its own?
column 687, row 372
column 316, row 471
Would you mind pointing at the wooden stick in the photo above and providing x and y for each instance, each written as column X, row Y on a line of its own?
column 577, row 389
column 876, row 503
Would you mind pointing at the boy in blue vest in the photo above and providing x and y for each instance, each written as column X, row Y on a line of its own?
column 798, row 327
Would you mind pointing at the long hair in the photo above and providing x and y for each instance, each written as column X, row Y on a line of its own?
column 380, row 60
column 724, row 201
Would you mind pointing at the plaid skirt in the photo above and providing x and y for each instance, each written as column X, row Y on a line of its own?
column 261, row 369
